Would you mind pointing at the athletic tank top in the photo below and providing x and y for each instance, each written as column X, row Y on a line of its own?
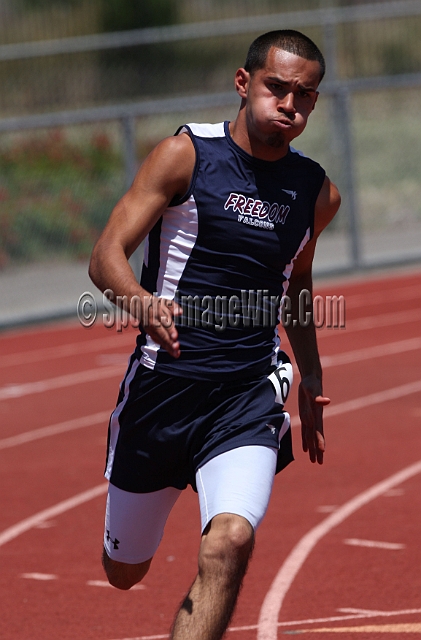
column 225, row 252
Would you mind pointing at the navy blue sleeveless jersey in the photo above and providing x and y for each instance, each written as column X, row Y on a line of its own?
column 225, row 252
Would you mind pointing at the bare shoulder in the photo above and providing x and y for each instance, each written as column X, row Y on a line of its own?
column 327, row 205
column 170, row 165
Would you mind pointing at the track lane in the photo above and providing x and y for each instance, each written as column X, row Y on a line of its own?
column 76, row 534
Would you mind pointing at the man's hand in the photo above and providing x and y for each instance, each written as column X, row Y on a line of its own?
column 311, row 403
column 158, row 322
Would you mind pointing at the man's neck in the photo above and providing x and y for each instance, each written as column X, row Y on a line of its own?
column 253, row 146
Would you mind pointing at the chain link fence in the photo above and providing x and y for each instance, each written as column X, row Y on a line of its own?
column 85, row 98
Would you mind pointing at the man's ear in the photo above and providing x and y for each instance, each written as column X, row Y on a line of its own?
column 242, row 82
column 317, row 95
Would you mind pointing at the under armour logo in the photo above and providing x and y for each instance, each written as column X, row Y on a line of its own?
column 115, row 542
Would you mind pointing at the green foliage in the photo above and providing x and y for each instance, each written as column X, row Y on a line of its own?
column 55, row 196
column 397, row 57
column 44, row 4
column 118, row 15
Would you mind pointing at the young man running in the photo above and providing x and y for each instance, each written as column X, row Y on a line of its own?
column 231, row 215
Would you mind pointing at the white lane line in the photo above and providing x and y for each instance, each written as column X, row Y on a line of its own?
column 104, row 583
column 412, row 627
column 358, row 355
column 39, row 576
column 269, row 613
column 372, row 322
column 59, row 382
column 386, row 295
column 373, row 398
column 66, row 350
column 103, row 416
column 373, row 544
column 394, row 492
column 360, row 324
column 91, row 375
column 374, row 612
column 357, row 614
column 21, row 527
column 367, row 401
column 54, row 429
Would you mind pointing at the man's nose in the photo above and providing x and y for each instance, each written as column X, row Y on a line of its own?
column 287, row 103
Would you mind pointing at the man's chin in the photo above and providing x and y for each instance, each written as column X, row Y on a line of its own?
column 276, row 140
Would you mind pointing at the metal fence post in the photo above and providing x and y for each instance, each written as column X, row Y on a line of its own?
column 341, row 142
column 342, row 110
column 129, row 138
column 130, row 168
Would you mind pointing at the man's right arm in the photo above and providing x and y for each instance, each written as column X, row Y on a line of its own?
column 166, row 173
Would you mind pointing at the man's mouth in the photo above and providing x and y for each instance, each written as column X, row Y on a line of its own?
column 284, row 122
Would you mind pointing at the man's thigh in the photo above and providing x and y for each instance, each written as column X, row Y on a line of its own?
column 134, row 523
column 238, row 481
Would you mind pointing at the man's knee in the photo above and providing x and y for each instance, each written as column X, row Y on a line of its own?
column 228, row 540
column 124, row 576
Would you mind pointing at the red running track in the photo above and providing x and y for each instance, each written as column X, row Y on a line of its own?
column 339, row 549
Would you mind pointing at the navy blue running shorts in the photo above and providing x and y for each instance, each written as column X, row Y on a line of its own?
column 164, row 428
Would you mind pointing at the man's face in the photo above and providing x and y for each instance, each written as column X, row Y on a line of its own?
column 280, row 98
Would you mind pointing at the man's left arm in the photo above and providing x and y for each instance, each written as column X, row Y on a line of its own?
column 302, row 335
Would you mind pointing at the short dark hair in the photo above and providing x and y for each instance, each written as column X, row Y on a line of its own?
column 287, row 40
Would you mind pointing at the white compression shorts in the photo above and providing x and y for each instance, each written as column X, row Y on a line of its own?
column 238, row 481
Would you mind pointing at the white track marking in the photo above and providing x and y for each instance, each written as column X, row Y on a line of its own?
column 39, row 576
column 59, row 382
column 358, row 355
column 21, row 527
column 367, row 401
column 357, row 614
column 393, row 493
column 374, row 612
column 373, row 544
column 395, row 393
column 104, row 583
column 326, row 508
column 61, row 427
column 96, row 418
column 411, row 627
column 91, row 375
column 268, row 619
column 354, row 301
column 380, row 297
column 372, row 322
column 66, row 350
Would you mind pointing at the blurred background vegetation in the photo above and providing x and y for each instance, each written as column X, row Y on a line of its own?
column 374, row 47
column 57, row 187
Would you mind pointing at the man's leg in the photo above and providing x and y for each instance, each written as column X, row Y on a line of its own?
column 225, row 550
column 134, row 525
column 122, row 575
column 234, row 490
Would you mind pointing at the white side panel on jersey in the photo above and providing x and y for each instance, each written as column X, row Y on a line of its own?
column 287, row 274
column 114, row 422
column 178, row 236
column 206, row 130
column 290, row 266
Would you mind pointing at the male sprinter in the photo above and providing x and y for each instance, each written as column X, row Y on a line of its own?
column 231, row 214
